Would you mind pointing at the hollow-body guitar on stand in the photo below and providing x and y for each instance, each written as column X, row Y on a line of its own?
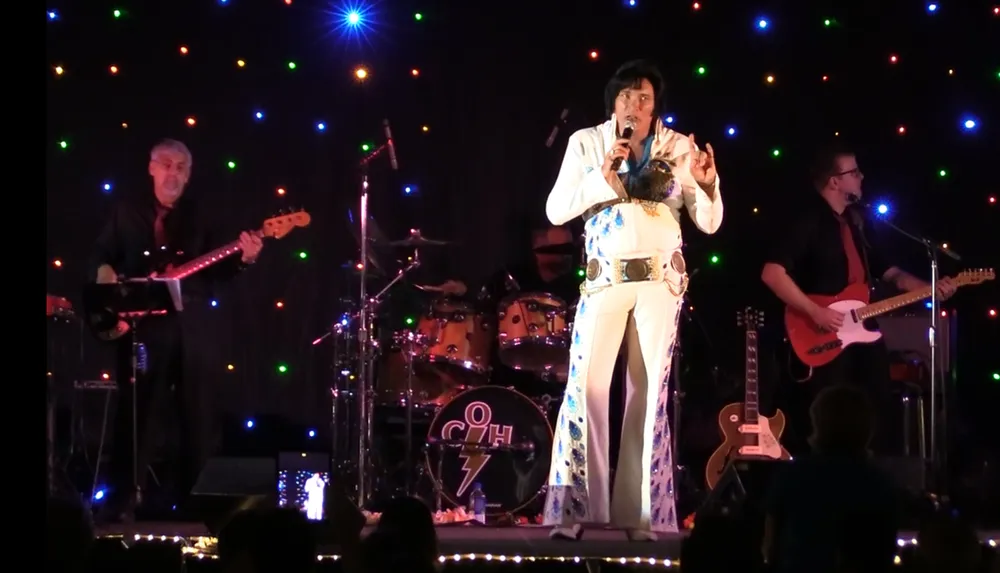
column 816, row 347
column 746, row 434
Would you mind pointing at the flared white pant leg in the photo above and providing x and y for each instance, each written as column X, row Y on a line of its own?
column 578, row 485
column 643, row 495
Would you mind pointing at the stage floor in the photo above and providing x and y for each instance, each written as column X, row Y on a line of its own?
column 460, row 542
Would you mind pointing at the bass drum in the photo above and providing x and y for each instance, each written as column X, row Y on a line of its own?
column 512, row 461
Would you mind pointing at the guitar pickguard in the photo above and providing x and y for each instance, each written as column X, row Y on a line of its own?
column 767, row 445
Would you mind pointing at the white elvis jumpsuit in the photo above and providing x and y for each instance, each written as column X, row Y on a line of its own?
column 635, row 283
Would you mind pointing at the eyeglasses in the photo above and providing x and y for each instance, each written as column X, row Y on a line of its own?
column 856, row 172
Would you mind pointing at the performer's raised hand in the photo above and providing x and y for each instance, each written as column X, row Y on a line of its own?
column 702, row 163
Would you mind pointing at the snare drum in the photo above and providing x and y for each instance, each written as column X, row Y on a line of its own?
column 533, row 333
column 512, row 462
column 459, row 342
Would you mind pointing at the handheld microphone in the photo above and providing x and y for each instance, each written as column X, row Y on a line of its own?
column 626, row 133
column 390, row 145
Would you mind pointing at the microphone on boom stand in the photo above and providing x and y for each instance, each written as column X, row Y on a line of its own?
column 390, row 145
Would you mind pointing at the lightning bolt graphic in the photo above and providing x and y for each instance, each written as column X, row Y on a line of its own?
column 474, row 459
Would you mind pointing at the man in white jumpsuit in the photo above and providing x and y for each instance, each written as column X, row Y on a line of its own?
column 635, row 282
column 314, row 497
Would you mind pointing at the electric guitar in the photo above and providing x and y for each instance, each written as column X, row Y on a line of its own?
column 273, row 228
column 815, row 347
column 746, row 434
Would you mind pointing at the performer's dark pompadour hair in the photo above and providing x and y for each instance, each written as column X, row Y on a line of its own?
column 630, row 75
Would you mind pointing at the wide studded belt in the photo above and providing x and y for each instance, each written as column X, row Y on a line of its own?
column 603, row 272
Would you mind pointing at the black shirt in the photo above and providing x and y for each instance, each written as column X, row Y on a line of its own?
column 528, row 279
column 811, row 249
column 128, row 245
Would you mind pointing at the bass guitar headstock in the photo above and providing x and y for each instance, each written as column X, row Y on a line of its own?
column 280, row 225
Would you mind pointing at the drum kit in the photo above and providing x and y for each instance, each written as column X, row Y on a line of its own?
column 435, row 377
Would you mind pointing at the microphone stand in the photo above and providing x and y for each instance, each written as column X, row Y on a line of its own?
column 934, row 460
column 365, row 390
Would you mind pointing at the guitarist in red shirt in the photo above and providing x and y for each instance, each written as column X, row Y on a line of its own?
column 822, row 252
column 163, row 222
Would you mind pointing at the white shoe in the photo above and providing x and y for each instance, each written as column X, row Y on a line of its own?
column 572, row 533
column 640, row 535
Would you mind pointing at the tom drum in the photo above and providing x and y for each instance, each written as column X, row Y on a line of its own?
column 533, row 332
column 458, row 343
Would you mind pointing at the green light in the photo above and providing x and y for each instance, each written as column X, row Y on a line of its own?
column 581, row 272
column 303, row 255
column 117, row 13
column 942, row 173
column 409, row 321
column 231, row 164
column 63, row 144
column 714, row 259
column 701, row 70
column 282, row 368
column 996, row 376
column 291, row 65
column 775, row 152
column 418, row 16
column 827, row 23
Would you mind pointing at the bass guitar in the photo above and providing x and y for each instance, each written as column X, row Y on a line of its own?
column 273, row 228
column 815, row 347
column 746, row 434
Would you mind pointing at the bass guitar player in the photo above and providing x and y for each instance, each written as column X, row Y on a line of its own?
column 164, row 222
column 822, row 252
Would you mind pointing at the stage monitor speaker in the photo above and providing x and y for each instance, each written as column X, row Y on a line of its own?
column 742, row 489
column 907, row 335
column 228, row 485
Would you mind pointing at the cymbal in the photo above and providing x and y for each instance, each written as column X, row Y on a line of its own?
column 558, row 249
column 416, row 240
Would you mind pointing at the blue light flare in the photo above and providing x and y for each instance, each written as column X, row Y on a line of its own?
column 763, row 23
column 353, row 19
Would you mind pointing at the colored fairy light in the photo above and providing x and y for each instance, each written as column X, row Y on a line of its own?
column 231, row 165
column 242, row 64
column 279, row 304
column 418, row 16
column 303, row 255
column 292, row 65
column 425, row 128
column 932, row 7
column 116, row 13
column 763, row 23
column 594, row 55
column 361, row 73
column 942, row 173
column 893, row 59
column 113, row 70
column 320, row 126
column 52, row 15
column 230, row 367
column 58, row 70
column 769, row 78
column 57, row 263
column 696, row 6
column 258, row 115
column 731, row 131
column 825, row 78
column 63, row 144
column 701, row 70
column 415, row 72
column 282, row 368
column 191, row 121
column 992, row 200
column 184, row 50
column 281, row 191
column 969, row 123
column 775, row 152
column 107, row 187
column 901, row 130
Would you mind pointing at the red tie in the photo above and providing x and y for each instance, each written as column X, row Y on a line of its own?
column 855, row 268
column 159, row 233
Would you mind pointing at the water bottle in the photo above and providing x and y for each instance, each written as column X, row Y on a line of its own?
column 477, row 503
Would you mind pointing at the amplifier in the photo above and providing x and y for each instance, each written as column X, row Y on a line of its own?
column 909, row 336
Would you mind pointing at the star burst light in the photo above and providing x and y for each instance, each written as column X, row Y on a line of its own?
column 353, row 20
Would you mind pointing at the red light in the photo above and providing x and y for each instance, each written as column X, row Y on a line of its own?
column 57, row 263
column 279, row 304
column 593, row 54
column 826, row 78
column 105, row 376
column 893, row 59
column 992, row 313
column 944, row 313
column 992, row 200
column 281, row 191
column 359, row 266
column 901, row 130
column 191, row 121
column 696, row 6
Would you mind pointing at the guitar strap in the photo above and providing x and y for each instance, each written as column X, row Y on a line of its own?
column 859, row 223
